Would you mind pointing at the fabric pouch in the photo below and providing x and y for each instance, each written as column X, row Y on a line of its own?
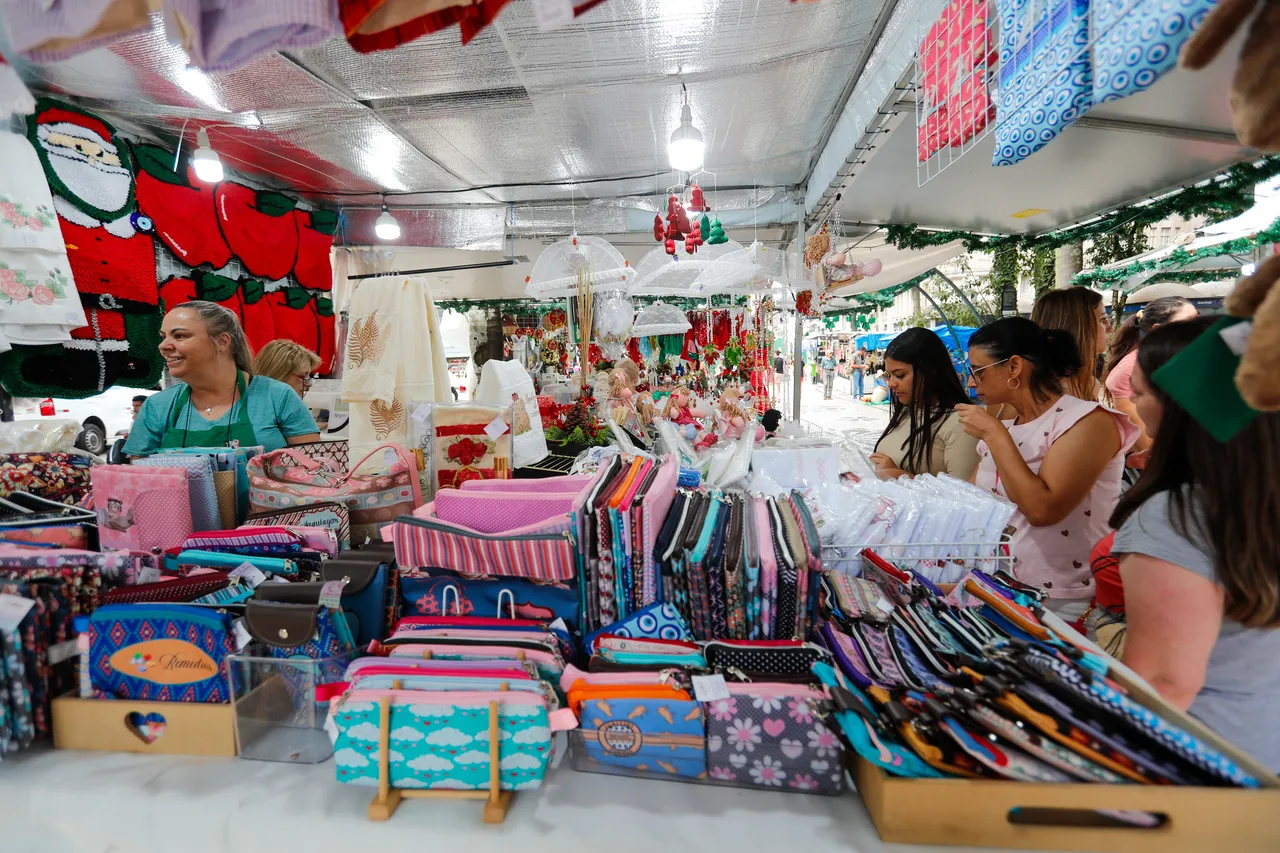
column 331, row 516
column 441, row 739
column 175, row 590
column 203, row 495
column 662, row 736
column 765, row 658
column 27, row 518
column 160, row 652
column 451, row 594
column 659, row 621
column 141, row 509
column 772, row 736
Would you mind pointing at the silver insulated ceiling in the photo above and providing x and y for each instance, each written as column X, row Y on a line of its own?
column 547, row 129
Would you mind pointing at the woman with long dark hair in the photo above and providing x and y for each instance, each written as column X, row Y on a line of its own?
column 1059, row 459
column 924, row 435
column 1123, row 354
column 1200, row 560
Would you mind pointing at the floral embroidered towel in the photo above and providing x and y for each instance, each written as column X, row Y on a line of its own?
column 35, row 275
column 393, row 354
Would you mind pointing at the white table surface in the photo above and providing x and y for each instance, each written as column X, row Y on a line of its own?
column 91, row 802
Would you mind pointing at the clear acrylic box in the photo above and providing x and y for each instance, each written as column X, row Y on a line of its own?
column 277, row 717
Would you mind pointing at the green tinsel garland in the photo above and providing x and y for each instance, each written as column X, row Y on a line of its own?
column 504, row 306
column 1179, row 258
column 1223, row 198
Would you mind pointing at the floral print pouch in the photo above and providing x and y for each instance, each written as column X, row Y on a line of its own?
column 771, row 736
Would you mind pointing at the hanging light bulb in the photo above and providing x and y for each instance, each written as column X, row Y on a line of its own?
column 205, row 160
column 686, row 148
column 386, row 226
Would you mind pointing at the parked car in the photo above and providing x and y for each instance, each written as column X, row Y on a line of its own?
column 103, row 418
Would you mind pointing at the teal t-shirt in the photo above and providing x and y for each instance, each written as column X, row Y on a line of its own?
column 275, row 410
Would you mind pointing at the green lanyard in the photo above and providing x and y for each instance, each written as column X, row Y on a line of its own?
column 237, row 432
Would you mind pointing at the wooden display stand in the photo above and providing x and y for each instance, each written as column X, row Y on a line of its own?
column 384, row 804
column 190, row 728
column 980, row 813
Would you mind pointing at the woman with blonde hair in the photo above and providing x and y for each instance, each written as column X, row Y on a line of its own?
column 287, row 362
column 1077, row 311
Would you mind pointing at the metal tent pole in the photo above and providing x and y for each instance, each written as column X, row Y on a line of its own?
column 797, row 352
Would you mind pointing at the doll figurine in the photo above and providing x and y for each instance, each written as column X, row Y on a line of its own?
column 679, row 411
column 733, row 417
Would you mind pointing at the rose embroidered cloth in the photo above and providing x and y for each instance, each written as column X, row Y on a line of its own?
column 38, row 299
column 394, row 353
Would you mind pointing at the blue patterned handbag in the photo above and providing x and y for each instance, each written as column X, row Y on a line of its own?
column 1136, row 43
column 1045, row 78
column 159, row 652
column 364, row 596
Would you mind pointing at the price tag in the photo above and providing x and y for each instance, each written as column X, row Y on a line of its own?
column 390, row 457
column 552, row 14
column 64, row 651
column 331, row 727
column 496, row 428
column 884, row 605
column 710, row 688
column 13, row 609
column 148, row 574
column 331, row 593
column 559, row 625
column 249, row 573
column 421, row 413
column 278, row 579
column 242, row 635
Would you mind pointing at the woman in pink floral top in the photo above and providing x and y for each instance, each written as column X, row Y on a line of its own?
column 1059, row 460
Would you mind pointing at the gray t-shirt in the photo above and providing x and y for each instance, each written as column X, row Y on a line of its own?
column 1241, row 692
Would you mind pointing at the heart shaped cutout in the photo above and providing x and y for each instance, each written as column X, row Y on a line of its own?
column 773, row 728
column 145, row 727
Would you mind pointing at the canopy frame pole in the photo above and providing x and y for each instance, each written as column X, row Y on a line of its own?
column 942, row 316
column 963, row 298
column 797, row 348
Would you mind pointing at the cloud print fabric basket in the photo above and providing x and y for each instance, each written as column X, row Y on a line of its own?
column 288, row 479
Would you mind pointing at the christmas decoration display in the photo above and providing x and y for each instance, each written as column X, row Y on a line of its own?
column 112, row 260
column 114, row 202
column 577, row 424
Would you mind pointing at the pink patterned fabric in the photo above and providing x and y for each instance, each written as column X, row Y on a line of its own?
column 141, row 509
column 570, row 483
column 1056, row 558
column 493, row 512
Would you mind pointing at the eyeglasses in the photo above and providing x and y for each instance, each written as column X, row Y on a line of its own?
column 304, row 378
column 974, row 371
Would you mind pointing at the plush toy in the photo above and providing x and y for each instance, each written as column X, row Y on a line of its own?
column 1258, row 298
column 734, row 418
column 1255, row 98
column 680, row 411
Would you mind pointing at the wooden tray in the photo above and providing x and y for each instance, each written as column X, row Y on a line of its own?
column 977, row 813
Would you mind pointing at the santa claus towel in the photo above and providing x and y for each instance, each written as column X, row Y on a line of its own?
column 36, row 287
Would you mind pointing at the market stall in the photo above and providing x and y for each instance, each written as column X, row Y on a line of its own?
column 566, row 571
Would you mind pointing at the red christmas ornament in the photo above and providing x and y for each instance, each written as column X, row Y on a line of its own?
column 672, row 204
column 657, row 227
column 671, row 246
column 690, row 245
column 683, row 220
column 696, row 200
